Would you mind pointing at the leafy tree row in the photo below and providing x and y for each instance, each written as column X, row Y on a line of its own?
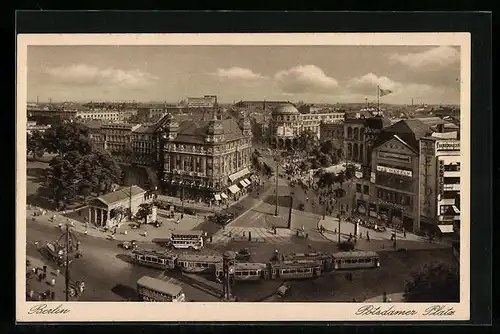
column 80, row 168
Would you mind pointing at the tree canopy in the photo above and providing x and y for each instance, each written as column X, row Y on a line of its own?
column 35, row 144
column 80, row 169
column 436, row 282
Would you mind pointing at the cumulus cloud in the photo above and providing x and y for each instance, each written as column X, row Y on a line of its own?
column 305, row 79
column 88, row 75
column 237, row 73
column 436, row 58
column 367, row 84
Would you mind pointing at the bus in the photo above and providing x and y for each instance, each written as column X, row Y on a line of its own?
column 151, row 289
column 153, row 258
column 187, row 239
column 243, row 271
column 193, row 263
column 356, row 260
column 324, row 258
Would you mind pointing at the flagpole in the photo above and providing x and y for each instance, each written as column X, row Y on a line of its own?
column 378, row 98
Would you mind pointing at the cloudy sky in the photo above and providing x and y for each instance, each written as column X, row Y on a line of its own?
column 309, row 73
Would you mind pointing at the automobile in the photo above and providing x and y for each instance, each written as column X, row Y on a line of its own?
column 302, row 206
column 346, row 246
column 243, row 254
column 129, row 244
column 283, row 290
column 157, row 223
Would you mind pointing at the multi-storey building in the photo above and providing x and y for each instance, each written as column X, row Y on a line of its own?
column 148, row 113
column 359, row 135
column 143, row 145
column 118, row 140
column 210, row 159
column 207, row 101
column 440, row 180
column 414, row 178
column 102, row 114
column 288, row 123
column 395, row 166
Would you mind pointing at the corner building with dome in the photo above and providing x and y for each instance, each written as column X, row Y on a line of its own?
column 288, row 123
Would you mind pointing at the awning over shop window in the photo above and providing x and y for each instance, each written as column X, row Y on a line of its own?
column 243, row 184
column 456, row 209
column 247, row 181
column 446, row 228
column 239, row 174
column 223, row 195
column 234, row 189
column 217, row 197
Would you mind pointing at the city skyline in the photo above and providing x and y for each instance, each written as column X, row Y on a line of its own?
column 314, row 74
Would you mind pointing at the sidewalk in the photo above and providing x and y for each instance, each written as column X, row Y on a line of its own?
column 124, row 232
column 379, row 241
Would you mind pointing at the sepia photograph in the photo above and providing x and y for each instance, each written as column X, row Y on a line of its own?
column 295, row 170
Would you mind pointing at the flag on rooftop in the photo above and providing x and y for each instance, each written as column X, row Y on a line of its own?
column 384, row 92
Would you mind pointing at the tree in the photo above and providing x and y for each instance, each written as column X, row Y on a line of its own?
column 35, row 144
column 67, row 137
column 62, row 181
column 325, row 160
column 145, row 209
column 350, row 172
column 437, row 282
column 307, row 140
column 119, row 213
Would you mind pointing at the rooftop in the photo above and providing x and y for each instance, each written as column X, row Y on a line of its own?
column 157, row 284
column 195, row 132
column 121, row 194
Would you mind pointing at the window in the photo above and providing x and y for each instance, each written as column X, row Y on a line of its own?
column 366, row 189
column 452, row 168
column 253, row 273
column 452, row 180
column 358, row 188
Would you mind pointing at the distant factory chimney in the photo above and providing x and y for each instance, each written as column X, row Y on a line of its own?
column 37, row 99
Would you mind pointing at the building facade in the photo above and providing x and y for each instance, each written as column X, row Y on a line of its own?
column 102, row 114
column 118, row 140
column 143, row 145
column 207, row 101
column 102, row 210
column 288, row 123
column 208, row 159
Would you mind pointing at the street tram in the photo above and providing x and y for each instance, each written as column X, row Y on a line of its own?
column 324, row 258
column 355, row 260
column 294, row 269
column 244, row 271
column 194, row 263
column 151, row 289
column 187, row 239
column 155, row 259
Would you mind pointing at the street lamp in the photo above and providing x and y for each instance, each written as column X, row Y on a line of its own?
column 290, row 210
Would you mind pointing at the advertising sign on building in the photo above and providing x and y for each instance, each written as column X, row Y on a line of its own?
column 448, row 146
column 396, row 171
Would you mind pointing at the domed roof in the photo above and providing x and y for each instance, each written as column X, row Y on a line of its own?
column 285, row 109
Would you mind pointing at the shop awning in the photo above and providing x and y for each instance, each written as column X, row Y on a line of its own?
column 217, row 197
column 234, row 189
column 247, row 181
column 223, row 195
column 243, row 183
column 456, row 209
column 446, row 228
column 239, row 174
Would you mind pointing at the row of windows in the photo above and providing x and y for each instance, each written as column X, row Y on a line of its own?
column 451, row 180
column 353, row 261
column 452, row 168
column 151, row 259
column 194, row 264
column 394, row 181
column 394, row 197
column 156, row 294
column 295, row 271
column 246, row 273
column 366, row 189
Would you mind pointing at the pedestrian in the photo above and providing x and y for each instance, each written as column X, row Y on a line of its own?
column 145, row 233
column 360, row 235
column 367, row 236
column 210, row 238
column 86, row 232
column 78, row 245
column 36, row 244
column 384, row 297
column 404, row 233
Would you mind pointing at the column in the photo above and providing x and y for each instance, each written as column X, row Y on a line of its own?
column 102, row 217
column 203, row 164
column 195, row 162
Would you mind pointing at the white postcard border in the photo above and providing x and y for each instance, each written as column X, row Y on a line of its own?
column 207, row 312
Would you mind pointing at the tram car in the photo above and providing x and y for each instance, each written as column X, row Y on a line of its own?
column 299, row 269
column 198, row 264
column 355, row 260
column 244, row 271
column 155, row 259
column 324, row 258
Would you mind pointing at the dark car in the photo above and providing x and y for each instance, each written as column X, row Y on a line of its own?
column 132, row 244
column 243, row 254
column 302, row 206
column 346, row 246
